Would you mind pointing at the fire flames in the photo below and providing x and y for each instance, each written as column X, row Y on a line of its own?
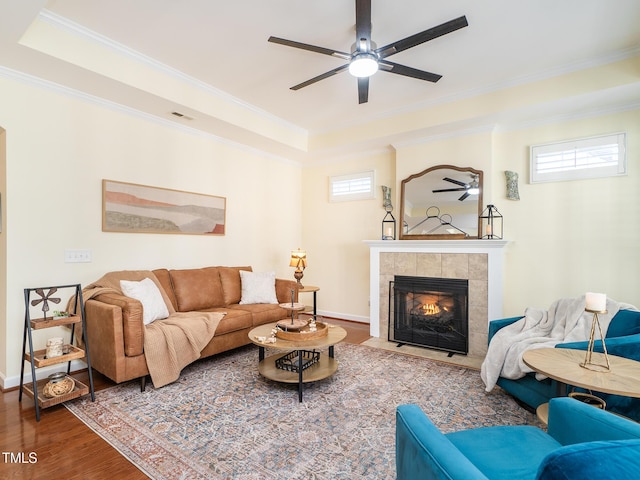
column 430, row 309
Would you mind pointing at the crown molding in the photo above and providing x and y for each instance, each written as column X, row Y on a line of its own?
column 38, row 82
column 67, row 25
column 568, row 117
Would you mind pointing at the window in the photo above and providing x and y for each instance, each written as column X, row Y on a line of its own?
column 357, row 186
column 594, row 157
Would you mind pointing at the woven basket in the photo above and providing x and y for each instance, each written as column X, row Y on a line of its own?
column 56, row 389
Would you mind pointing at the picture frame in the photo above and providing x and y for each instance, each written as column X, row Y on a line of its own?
column 134, row 208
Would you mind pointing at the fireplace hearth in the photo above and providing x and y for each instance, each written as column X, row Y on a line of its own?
column 430, row 312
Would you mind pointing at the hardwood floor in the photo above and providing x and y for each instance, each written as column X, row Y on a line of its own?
column 62, row 447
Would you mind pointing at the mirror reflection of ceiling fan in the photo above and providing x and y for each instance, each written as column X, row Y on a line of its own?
column 365, row 59
column 471, row 188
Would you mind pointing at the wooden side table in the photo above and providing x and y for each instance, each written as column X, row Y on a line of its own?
column 311, row 288
column 563, row 365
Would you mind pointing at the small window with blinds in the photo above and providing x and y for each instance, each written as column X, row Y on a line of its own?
column 593, row 157
column 357, row 186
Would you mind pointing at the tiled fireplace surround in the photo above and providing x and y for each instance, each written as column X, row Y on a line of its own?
column 479, row 261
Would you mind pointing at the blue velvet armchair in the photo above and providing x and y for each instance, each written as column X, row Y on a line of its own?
column 581, row 442
column 622, row 339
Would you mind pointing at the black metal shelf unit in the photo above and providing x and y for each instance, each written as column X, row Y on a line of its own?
column 39, row 359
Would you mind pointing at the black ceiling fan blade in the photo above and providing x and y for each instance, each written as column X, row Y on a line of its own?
column 310, row 48
column 408, row 71
column 363, row 90
column 449, row 190
column 328, row 74
column 421, row 37
column 457, row 182
column 363, row 21
column 464, row 195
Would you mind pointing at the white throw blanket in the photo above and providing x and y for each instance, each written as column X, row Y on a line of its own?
column 565, row 321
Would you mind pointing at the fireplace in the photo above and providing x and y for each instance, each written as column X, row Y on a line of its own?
column 478, row 261
column 430, row 312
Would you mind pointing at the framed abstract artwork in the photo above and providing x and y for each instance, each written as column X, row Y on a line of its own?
column 132, row 208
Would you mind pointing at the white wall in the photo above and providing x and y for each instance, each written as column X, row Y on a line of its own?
column 338, row 260
column 570, row 237
column 566, row 238
column 58, row 150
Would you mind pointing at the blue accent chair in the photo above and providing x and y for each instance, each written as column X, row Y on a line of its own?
column 622, row 339
column 582, row 442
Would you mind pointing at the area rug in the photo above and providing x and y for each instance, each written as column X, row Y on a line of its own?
column 222, row 420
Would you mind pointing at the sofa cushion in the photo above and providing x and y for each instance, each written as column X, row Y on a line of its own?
column 625, row 322
column 197, row 289
column 164, row 277
column 233, row 321
column 147, row 293
column 498, row 451
column 258, row 287
column 616, row 459
column 261, row 312
column 231, row 286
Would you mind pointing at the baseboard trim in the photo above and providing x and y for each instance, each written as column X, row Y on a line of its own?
column 344, row 316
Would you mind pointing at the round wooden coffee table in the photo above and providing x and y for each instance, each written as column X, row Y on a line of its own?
column 324, row 367
column 563, row 365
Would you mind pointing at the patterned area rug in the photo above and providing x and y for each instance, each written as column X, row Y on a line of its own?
column 222, row 420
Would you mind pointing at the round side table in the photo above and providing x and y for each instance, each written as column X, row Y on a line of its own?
column 309, row 289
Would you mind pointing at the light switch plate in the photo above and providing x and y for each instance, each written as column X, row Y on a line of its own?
column 77, row 256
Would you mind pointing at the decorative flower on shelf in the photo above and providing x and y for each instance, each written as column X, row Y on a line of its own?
column 45, row 299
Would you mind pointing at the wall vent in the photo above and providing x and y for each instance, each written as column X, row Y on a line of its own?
column 181, row 115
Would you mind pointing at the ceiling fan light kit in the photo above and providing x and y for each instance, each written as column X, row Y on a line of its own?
column 363, row 65
column 365, row 59
column 471, row 188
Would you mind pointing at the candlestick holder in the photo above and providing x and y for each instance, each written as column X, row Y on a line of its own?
column 588, row 363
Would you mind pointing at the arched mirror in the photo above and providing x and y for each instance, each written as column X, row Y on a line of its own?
column 441, row 202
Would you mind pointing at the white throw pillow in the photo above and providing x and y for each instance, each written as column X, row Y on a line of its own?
column 147, row 292
column 258, row 287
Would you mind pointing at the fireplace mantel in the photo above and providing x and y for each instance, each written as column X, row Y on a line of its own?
column 464, row 246
column 493, row 249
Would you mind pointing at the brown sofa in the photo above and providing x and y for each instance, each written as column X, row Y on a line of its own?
column 115, row 330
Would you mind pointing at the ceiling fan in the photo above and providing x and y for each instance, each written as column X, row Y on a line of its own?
column 471, row 188
column 365, row 59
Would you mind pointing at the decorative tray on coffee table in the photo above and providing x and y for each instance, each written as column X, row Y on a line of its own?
column 302, row 333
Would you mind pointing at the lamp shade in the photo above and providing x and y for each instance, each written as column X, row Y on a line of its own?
column 298, row 259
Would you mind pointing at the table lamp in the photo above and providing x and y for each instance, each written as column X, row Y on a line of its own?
column 596, row 303
column 299, row 261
